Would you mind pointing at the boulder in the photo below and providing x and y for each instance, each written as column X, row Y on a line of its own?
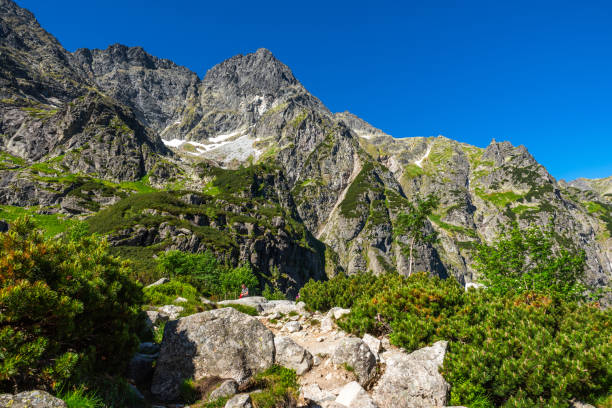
column 373, row 343
column 140, row 368
column 253, row 301
column 226, row 389
column 148, row 348
column 31, row 399
column 158, row 282
column 413, row 380
column 180, row 299
column 239, row 401
column 218, row 343
column 153, row 318
column 312, row 393
column 291, row 355
column 293, row 326
column 354, row 396
column 170, row 312
column 355, row 353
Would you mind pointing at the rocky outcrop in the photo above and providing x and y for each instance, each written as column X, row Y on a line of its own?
column 355, row 355
column 413, row 380
column 223, row 343
column 31, row 399
column 291, row 355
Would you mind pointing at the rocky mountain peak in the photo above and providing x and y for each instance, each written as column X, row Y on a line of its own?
column 259, row 73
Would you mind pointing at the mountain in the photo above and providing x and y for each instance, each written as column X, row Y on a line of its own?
column 245, row 162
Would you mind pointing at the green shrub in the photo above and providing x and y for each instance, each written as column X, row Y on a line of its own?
column 189, row 392
column 207, row 274
column 505, row 349
column 279, row 388
column 273, row 295
column 68, row 309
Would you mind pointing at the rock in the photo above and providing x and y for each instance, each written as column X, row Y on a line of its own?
column 354, row 396
column 373, row 343
column 205, row 301
column 152, row 317
column 4, row 226
column 327, row 324
column 148, row 348
column 291, row 355
column 355, row 353
column 170, row 312
column 239, row 401
column 31, row 399
column 136, row 392
column 413, row 380
column 293, row 326
column 158, row 282
column 312, row 393
column 226, row 389
column 337, row 312
column 253, row 301
column 140, row 368
column 223, row 343
column 180, row 300
column 473, row 285
column 578, row 404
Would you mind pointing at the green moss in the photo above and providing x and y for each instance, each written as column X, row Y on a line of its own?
column 297, row 121
column 437, row 219
column 39, row 113
column 7, row 159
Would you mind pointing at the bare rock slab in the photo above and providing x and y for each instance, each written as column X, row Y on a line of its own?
column 291, row 355
column 223, row 343
column 413, row 380
column 31, row 399
column 355, row 353
column 354, row 396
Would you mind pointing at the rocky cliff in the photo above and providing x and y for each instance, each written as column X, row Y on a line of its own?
column 86, row 130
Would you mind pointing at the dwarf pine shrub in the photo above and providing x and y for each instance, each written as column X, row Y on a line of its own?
column 67, row 309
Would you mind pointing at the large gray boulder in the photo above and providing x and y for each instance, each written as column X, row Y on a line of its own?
column 219, row 343
column 291, row 355
column 355, row 353
column 239, row 401
column 413, row 380
column 253, row 301
column 31, row 399
column 226, row 389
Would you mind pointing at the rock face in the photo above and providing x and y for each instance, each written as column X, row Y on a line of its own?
column 354, row 353
column 226, row 389
column 223, row 343
column 291, row 355
column 31, row 399
column 413, row 380
column 354, row 396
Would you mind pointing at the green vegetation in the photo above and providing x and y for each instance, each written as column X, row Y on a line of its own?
column 353, row 203
column 50, row 224
column 603, row 210
column 512, row 350
column 69, row 310
column 249, row 310
column 412, row 171
column 279, row 388
column 501, row 199
column 412, row 223
column 207, row 275
column 437, row 219
column 81, row 398
column 527, row 261
column 297, row 121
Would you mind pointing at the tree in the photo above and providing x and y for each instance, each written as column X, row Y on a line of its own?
column 413, row 222
column 530, row 261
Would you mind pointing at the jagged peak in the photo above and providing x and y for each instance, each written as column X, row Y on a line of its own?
column 258, row 71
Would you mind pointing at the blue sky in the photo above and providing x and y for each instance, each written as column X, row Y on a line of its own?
column 537, row 73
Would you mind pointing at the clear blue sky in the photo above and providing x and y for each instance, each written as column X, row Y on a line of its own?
column 537, row 73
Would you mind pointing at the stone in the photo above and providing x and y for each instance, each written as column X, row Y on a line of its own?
column 180, row 300
column 253, row 301
column 293, row 326
column 152, row 318
column 355, row 353
column 354, row 396
column 312, row 393
column 327, row 324
column 337, row 312
column 218, row 343
column 158, row 282
column 291, row 355
column 577, row 404
column 148, row 348
column 413, row 380
column 140, row 368
column 31, row 399
column 239, row 401
column 226, row 389
column 373, row 343
column 170, row 312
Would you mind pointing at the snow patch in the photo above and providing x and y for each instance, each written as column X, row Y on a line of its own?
column 173, row 142
column 420, row 161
